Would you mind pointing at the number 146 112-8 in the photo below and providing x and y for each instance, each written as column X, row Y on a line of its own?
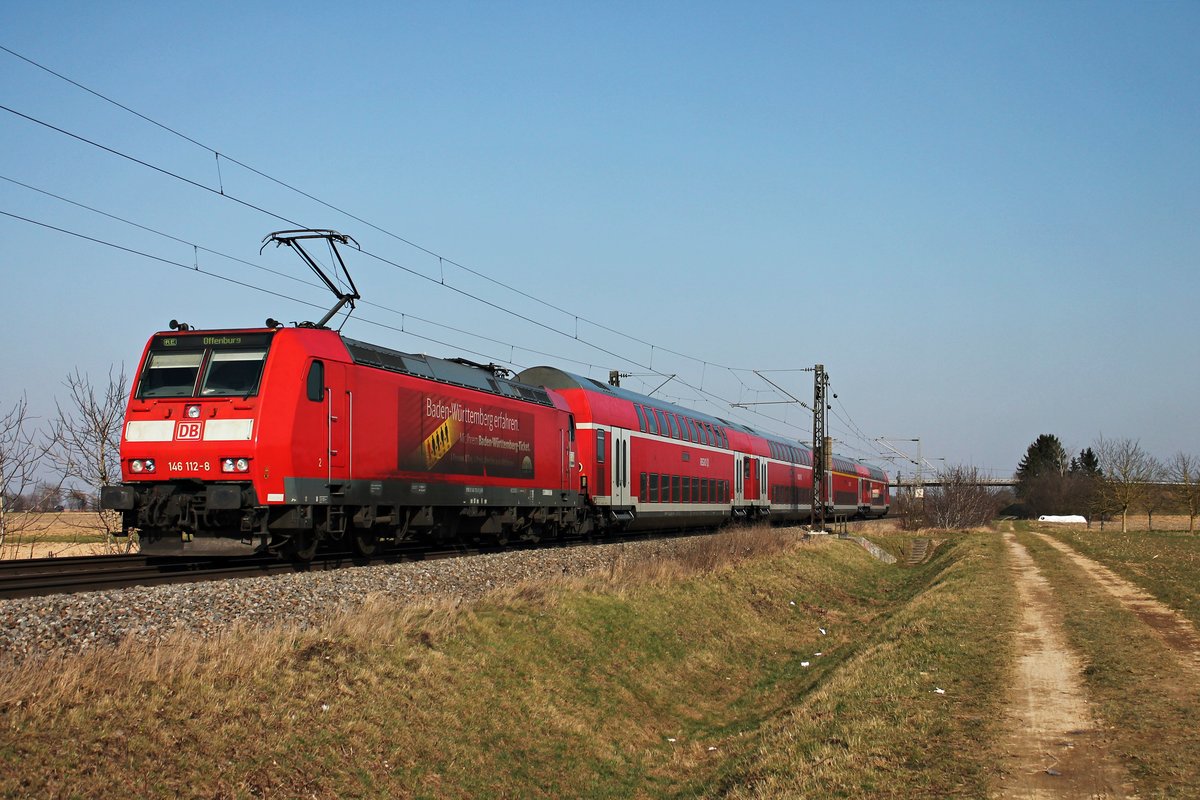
column 190, row 466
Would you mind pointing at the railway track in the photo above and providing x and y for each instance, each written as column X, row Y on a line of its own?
column 37, row 577
column 43, row 576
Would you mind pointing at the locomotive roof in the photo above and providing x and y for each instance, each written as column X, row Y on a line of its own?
column 485, row 378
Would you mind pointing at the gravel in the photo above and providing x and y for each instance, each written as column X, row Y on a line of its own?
column 71, row 623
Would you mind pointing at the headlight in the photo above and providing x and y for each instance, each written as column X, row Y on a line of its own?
column 235, row 465
column 135, row 466
column 139, row 465
column 193, row 412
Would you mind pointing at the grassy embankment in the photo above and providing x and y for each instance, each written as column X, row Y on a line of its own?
column 663, row 679
column 1149, row 700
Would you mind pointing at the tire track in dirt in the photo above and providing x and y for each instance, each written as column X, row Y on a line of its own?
column 1172, row 628
column 1054, row 748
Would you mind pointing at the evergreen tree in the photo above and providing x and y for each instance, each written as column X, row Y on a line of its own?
column 1045, row 456
column 1041, row 475
column 1086, row 464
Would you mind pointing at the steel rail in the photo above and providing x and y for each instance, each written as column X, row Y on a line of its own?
column 38, row 577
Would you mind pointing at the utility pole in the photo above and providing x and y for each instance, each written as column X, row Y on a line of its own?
column 822, row 444
column 822, row 447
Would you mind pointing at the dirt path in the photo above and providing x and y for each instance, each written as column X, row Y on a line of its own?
column 1054, row 749
column 1171, row 627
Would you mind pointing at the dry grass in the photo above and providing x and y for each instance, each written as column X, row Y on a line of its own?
column 877, row 727
column 679, row 676
column 1166, row 563
column 1137, row 522
column 1149, row 700
column 63, row 533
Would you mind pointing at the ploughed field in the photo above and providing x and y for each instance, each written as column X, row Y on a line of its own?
column 61, row 534
column 751, row 663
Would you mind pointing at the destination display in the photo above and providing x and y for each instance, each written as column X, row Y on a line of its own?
column 199, row 341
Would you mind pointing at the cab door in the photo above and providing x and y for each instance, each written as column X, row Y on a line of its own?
column 339, row 423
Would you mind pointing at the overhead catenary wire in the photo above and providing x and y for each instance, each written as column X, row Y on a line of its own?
column 207, row 273
column 417, row 273
column 382, row 259
column 218, row 276
column 442, row 259
column 280, row 217
column 706, row 395
column 280, row 274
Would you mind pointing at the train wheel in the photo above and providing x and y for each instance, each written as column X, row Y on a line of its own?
column 303, row 546
column 364, row 542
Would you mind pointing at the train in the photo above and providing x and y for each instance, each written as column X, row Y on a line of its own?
column 284, row 439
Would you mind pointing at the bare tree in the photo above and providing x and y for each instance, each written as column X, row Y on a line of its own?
column 1128, row 474
column 1183, row 471
column 78, row 500
column 47, row 497
column 1156, row 495
column 87, row 438
column 960, row 502
column 21, row 454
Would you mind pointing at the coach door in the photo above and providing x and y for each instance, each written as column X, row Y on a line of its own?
column 750, row 472
column 619, row 459
column 740, row 463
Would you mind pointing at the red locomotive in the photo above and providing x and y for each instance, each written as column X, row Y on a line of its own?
column 277, row 439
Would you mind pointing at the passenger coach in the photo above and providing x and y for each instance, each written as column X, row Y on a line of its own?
column 651, row 464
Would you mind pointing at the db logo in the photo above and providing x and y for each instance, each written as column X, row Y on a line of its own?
column 188, row 430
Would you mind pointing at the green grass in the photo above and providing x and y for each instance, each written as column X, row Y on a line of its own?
column 561, row 689
column 1150, row 704
column 876, row 727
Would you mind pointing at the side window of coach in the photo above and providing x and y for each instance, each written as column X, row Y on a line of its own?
column 316, row 381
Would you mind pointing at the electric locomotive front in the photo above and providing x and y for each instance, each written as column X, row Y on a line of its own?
column 196, row 469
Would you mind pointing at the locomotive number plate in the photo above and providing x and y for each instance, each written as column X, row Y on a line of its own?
column 188, row 466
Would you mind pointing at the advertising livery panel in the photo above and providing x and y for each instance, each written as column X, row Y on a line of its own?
column 446, row 435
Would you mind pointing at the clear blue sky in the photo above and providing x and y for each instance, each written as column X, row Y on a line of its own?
column 983, row 218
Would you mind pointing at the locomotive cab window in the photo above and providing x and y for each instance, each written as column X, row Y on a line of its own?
column 233, row 373
column 316, row 382
column 171, row 374
column 216, row 365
